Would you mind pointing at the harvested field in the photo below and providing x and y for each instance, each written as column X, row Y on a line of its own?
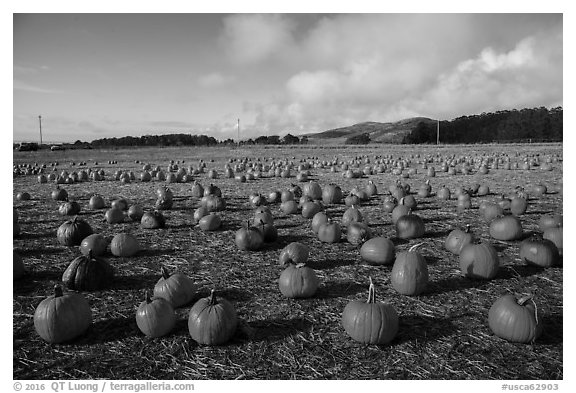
column 443, row 333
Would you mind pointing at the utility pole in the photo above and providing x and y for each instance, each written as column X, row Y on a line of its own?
column 238, row 132
column 438, row 132
column 40, row 123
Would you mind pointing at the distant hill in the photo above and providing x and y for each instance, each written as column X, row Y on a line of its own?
column 379, row 132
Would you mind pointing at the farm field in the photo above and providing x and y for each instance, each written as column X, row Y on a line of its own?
column 443, row 332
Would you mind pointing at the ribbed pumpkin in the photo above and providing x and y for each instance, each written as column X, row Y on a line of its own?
column 135, row 212
column 410, row 272
column 506, row 228
column 88, row 273
column 289, row 207
column 210, row 222
column 62, row 317
column 212, row 321
column 124, row 245
column 72, row 232
column 298, row 281
column 176, row 288
column 539, row 252
column 329, row 232
column 69, row 208
column 491, row 210
column 59, row 194
column 114, row 216
column 370, row 322
column 378, row 251
column 309, row 209
column 399, row 211
column 479, row 261
column 457, row 239
column 249, row 238
column 294, row 253
column 352, row 214
column 332, row 194
column 199, row 213
column 515, row 320
column 313, row 190
column 95, row 243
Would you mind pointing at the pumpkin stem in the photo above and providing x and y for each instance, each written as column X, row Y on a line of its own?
column 300, row 265
column 467, row 230
column 212, row 300
column 414, row 247
column 371, row 292
column 58, row 290
column 147, row 297
column 165, row 272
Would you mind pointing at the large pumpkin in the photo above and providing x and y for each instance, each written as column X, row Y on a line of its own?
column 212, row 321
column 378, row 251
column 72, row 232
column 370, row 322
column 88, row 273
column 124, row 245
column 506, row 228
column 176, row 288
column 479, row 261
column 62, row 317
column 410, row 272
column 298, row 281
column 515, row 320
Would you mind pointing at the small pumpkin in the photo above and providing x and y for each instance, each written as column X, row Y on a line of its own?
column 249, row 238
column 357, row 233
column 294, row 253
column 457, row 239
column 176, row 288
column 298, row 281
column 96, row 202
column 352, row 214
column 443, row 193
column 289, row 207
column 515, row 320
column 62, row 317
column 518, row 206
column 370, row 322
column 479, row 261
column 491, row 210
column 95, row 243
column 309, row 209
column 88, row 273
column 550, row 221
column 318, row 219
column 59, row 194
column 69, row 208
column 555, row 235
column 212, row 321
column 506, row 228
column 539, row 252
column 399, row 211
column 153, row 220
column 410, row 272
column 72, row 232
column 114, row 216
column 199, row 213
column 124, row 245
column 120, row 204
column 410, row 226
column 210, row 222
column 378, row 251
column 329, row 232
column 135, row 213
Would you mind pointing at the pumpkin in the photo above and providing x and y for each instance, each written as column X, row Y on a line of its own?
column 378, row 251
column 294, row 253
column 309, row 209
column 371, row 189
column 23, row 196
column 213, row 203
column 409, row 201
column 163, row 204
column 199, row 213
column 313, row 190
column 95, row 243
column 88, row 273
column 399, row 211
column 210, row 222
column 120, row 204
column 249, row 239
column 153, row 220
column 155, row 317
column 491, row 210
column 176, row 288
column 263, row 216
column 59, row 194
column 410, row 272
column 370, row 322
column 352, row 214
column 289, row 207
column 212, row 321
column 550, row 221
column 483, row 190
column 69, row 208
column 506, row 228
column 286, row 196
column 479, row 261
column 135, row 212
column 515, row 320
column 298, row 281
column 197, row 190
column 268, row 231
column 19, row 270
column 124, row 245
column 352, row 200
column 555, row 235
column 329, row 232
column 96, row 202
column 332, row 194
column 273, row 197
column 357, row 233
column 518, row 206
column 539, row 252
column 318, row 219
column 114, row 216
column 62, row 317
column 539, row 190
column 410, row 226
column 72, row 232
column 443, row 193
column 457, row 239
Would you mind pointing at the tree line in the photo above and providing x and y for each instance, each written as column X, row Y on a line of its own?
column 534, row 125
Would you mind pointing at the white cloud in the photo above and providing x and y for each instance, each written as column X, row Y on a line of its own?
column 257, row 37
column 214, row 79
column 23, row 86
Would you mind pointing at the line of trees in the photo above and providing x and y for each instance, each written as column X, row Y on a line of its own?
column 537, row 124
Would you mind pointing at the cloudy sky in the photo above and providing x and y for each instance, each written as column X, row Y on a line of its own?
column 99, row 75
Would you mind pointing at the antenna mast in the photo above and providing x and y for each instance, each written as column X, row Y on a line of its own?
column 40, row 124
column 238, row 131
column 438, row 132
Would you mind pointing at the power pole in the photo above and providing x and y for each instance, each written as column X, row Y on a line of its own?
column 238, row 132
column 438, row 132
column 40, row 123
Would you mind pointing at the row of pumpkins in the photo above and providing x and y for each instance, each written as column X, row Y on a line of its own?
column 409, row 274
